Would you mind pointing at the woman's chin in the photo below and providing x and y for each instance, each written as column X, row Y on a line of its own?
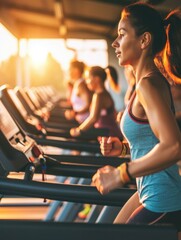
column 121, row 64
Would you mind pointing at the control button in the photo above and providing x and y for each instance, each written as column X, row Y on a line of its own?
column 32, row 159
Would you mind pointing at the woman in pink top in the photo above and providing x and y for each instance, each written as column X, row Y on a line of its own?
column 80, row 96
column 102, row 111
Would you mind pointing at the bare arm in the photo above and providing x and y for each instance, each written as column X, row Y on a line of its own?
column 94, row 115
column 86, row 96
column 95, row 110
column 163, row 124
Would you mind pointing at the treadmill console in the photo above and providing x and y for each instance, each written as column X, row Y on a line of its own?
column 17, row 151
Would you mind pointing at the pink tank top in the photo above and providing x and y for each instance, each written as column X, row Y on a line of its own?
column 77, row 102
column 107, row 120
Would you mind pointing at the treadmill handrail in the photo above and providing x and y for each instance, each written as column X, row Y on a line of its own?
column 64, row 192
column 20, row 229
column 89, row 160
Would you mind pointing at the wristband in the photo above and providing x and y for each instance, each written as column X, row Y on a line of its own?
column 124, row 150
column 125, row 176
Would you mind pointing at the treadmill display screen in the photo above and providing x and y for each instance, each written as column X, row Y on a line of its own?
column 17, row 102
column 7, row 124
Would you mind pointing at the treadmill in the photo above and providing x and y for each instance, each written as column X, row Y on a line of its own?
column 18, row 152
column 47, row 136
column 61, row 122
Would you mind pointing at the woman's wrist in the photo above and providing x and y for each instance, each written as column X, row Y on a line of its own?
column 78, row 130
column 81, row 111
column 124, row 150
column 75, row 132
column 81, row 130
column 125, row 176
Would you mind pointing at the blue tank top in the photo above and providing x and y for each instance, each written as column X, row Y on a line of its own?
column 158, row 192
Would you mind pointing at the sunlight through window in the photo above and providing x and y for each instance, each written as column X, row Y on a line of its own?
column 92, row 52
column 32, row 62
column 8, row 44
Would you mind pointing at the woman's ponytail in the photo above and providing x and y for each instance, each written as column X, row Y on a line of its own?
column 172, row 51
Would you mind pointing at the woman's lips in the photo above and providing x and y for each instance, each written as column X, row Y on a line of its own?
column 118, row 54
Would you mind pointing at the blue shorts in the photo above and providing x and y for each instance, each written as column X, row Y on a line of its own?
column 143, row 216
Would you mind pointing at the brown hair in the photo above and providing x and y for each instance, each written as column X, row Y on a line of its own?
column 98, row 71
column 165, row 33
column 79, row 65
column 171, row 56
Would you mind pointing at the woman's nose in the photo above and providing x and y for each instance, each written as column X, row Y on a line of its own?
column 115, row 44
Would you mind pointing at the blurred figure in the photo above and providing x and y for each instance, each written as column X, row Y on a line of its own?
column 113, row 87
column 80, row 97
column 102, row 111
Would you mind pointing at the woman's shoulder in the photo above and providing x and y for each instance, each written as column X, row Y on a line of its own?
column 152, row 81
column 104, row 95
column 83, row 87
column 153, row 87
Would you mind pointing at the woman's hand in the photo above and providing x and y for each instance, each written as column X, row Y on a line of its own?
column 69, row 114
column 110, row 146
column 107, row 179
column 75, row 132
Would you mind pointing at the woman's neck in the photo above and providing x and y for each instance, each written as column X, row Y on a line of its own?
column 100, row 89
column 144, row 68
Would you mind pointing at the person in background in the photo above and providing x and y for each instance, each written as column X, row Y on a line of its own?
column 148, row 123
column 102, row 113
column 81, row 96
column 102, row 110
column 114, row 88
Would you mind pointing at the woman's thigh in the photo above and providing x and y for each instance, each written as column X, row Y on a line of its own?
column 144, row 216
column 128, row 209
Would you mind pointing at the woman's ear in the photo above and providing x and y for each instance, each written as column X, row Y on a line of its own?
column 145, row 40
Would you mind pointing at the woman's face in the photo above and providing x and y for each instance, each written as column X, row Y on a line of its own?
column 91, row 82
column 74, row 73
column 127, row 44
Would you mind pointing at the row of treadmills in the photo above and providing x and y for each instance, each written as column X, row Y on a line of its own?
column 30, row 118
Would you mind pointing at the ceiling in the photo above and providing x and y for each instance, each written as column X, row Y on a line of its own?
column 85, row 19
